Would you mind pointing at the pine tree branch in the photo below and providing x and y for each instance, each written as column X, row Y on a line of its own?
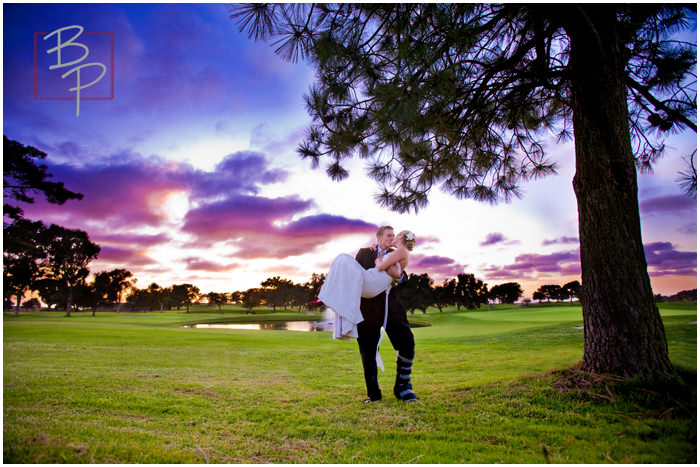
column 661, row 106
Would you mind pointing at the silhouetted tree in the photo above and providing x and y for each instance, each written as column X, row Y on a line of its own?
column 22, row 254
column 416, row 292
column 190, row 294
column 539, row 296
column 160, row 296
column 112, row 284
column 68, row 253
column 23, row 178
column 314, row 286
column 140, row 300
column 550, row 292
column 236, row 297
column 301, row 295
column 251, row 299
column 461, row 95
column 509, row 292
column 276, row 291
column 26, row 244
column 471, row 292
column 684, row 295
column 450, row 288
column 571, row 289
column 184, row 294
column 31, row 304
column 86, row 296
column 51, row 292
column 442, row 296
column 217, row 299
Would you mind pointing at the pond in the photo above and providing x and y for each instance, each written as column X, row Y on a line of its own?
column 302, row 326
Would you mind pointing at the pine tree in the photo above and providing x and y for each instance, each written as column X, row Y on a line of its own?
column 462, row 96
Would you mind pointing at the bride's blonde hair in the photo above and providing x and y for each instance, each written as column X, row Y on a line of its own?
column 409, row 239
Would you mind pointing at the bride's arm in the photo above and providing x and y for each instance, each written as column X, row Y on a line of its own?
column 391, row 259
column 394, row 271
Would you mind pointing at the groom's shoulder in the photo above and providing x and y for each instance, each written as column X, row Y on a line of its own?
column 363, row 251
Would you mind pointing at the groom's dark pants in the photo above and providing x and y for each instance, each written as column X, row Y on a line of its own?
column 397, row 328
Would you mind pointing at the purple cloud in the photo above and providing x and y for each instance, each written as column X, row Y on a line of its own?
column 529, row 264
column 560, row 240
column 326, row 224
column 502, row 273
column 429, row 261
column 493, row 238
column 241, row 172
column 132, row 239
column 118, row 256
column 438, row 267
column 263, row 227
column 688, row 229
column 198, row 264
column 304, row 235
column 427, row 240
column 128, row 191
column 125, row 195
column 668, row 204
column 663, row 259
column 241, row 216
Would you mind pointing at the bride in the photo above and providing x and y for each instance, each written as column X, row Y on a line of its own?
column 347, row 281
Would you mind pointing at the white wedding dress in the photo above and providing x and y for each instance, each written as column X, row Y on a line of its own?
column 347, row 281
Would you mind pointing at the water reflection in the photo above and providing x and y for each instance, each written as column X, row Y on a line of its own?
column 301, row 326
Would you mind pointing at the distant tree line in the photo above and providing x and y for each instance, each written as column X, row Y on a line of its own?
column 683, row 296
column 550, row 292
column 273, row 292
column 420, row 292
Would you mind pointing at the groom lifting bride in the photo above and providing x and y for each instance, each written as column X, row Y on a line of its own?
column 359, row 291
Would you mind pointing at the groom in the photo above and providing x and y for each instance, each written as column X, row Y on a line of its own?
column 397, row 327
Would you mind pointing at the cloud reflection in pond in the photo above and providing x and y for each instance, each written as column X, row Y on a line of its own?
column 302, row 326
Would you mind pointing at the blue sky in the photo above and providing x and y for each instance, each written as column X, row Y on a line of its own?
column 190, row 173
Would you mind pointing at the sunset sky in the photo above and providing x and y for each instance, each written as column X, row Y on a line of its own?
column 190, row 172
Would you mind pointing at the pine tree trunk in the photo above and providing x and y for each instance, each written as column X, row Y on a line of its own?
column 623, row 331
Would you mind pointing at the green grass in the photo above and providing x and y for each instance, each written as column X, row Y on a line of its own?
column 138, row 388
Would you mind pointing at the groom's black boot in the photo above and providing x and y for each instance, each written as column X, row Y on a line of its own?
column 402, row 388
